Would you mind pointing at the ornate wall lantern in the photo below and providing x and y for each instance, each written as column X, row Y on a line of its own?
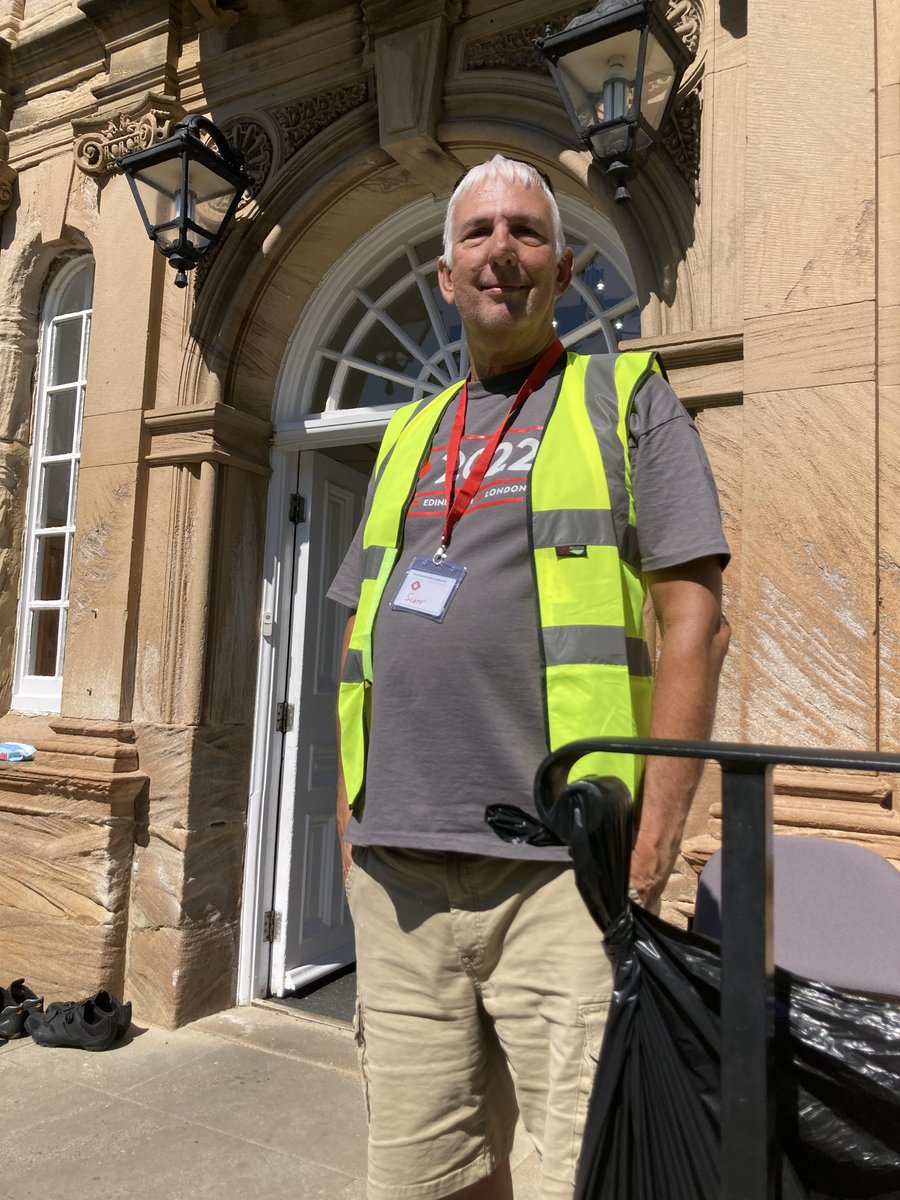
column 617, row 69
column 187, row 189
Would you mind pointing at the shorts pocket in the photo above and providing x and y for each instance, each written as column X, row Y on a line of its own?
column 592, row 1018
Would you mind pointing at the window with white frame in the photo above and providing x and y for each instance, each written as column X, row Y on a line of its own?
column 55, row 454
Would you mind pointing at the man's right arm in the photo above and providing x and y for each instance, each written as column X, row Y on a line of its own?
column 343, row 808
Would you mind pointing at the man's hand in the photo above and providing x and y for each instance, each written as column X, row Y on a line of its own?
column 694, row 640
column 343, row 808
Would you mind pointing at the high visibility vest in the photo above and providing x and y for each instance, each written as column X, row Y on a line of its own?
column 595, row 664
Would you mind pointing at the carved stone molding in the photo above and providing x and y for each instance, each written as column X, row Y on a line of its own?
column 513, row 49
column 681, row 136
column 686, row 17
column 99, row 141
column 301, row 120
column 8, row 175
column 257, row 144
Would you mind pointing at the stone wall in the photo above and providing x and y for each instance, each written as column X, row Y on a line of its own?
column 764, row 241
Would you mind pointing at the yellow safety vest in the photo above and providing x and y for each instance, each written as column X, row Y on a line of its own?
column 597, row 676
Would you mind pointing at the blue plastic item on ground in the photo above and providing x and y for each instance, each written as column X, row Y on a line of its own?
column 16, row 752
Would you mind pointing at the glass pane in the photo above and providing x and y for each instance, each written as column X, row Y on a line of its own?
column 392, row 273
column 65, row 364
column 571, row 312
column 379, row 347
column 659, row 75
column 54, row 507
column 43, row 643
column 629, row 325
column 344, row 332
column 600, row 78
column 323, row 383
column 61, row 413
column 76, row 295
column 409, row 311
column 48, row 581
column 431, row 249
column 157, row 203
column 362, row 390
column 604, row 280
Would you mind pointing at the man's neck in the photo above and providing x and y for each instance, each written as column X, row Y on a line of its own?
column 490, row 361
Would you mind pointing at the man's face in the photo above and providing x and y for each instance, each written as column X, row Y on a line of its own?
column 506, row 277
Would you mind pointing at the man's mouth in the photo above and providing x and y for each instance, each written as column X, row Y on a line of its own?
column 491, row 285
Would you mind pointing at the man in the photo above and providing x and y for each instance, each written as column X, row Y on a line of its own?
column 498, row 577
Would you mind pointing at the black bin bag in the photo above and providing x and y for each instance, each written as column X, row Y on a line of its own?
column 652, row 1130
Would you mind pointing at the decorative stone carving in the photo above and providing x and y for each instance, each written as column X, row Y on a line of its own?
column 8, row 175
column 681, row 137
column 255, row 142
column 513, row 50
column 303, row 119
column 103, row 140
column 686, row 17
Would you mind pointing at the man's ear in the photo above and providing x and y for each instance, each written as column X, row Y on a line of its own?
column 445, row 281
column 564, row 271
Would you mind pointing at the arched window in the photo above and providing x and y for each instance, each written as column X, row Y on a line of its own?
column 378, row 332
column 55, row 454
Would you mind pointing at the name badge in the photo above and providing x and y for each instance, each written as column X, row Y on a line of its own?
column 428, row 588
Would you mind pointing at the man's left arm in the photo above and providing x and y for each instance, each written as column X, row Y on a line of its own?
column 694, row 639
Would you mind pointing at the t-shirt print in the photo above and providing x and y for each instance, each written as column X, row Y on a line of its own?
column 505, row 480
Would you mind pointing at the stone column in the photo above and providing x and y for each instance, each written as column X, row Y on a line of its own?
column 193, row 712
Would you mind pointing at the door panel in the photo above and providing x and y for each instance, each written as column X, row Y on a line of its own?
column 316, row 934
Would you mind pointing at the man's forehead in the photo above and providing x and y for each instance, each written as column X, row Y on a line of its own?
column 496, row 198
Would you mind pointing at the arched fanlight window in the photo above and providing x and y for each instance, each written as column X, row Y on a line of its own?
column 378, row 332
column 55, row 455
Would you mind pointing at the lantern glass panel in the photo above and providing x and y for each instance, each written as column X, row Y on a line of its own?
column 599, row 79
column 659, row 76
column 155, row 192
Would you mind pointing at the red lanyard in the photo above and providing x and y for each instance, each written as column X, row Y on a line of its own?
column 458, row 502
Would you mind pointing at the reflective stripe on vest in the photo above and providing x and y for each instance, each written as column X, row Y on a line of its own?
column 596, row 666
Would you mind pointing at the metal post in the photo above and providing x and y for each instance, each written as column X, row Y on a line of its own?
column 747, row 1003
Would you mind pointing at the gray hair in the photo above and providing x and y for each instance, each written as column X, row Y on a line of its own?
column 503, row 170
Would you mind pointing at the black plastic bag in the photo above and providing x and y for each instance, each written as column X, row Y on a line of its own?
column 652, row 1129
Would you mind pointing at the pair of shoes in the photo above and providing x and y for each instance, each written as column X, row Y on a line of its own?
column 92, row 1024
column 17, row 1003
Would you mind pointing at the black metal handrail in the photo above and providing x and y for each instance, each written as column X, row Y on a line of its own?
column 748, row 1110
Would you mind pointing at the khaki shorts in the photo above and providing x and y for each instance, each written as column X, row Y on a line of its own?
column 483, row 992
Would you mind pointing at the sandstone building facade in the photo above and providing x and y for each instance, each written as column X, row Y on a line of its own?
column 164, row 641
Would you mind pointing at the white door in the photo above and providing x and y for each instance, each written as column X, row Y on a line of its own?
column 314, row 934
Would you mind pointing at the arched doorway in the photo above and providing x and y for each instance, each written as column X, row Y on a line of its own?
column 375, row 334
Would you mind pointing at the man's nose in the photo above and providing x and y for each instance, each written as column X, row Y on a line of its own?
column 502, row 248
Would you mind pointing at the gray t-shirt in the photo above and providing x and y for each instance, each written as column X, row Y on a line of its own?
column 457, row 706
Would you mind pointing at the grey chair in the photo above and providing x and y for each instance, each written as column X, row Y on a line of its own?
column 836, row 913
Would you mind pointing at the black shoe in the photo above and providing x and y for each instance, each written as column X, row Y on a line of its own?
column 104, row 1002
column 17, row 1002
column 78, row 1024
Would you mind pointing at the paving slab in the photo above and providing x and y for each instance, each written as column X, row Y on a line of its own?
column 274, row 1101
column 255, row 1101
column 279, row 1030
